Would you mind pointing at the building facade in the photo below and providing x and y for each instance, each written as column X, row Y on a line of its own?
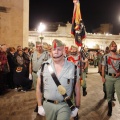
column 14, row 22
column 92, row 41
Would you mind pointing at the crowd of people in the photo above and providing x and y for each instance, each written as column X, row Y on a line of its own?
column 14, row 68
column 56, row 72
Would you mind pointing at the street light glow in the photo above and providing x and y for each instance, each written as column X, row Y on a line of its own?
column 40, row 30
column 41, row 27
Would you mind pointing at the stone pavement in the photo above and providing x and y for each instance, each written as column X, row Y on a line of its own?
column 20, row 106
column 93, row 106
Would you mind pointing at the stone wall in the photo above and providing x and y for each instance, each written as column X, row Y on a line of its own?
column 92, row 41
column 14, row 22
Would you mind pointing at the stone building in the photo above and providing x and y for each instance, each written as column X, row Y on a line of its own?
column 14, row 29
column 92, row 41
column 104, row 28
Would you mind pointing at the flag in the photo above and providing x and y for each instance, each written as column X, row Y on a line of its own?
column 78, row 28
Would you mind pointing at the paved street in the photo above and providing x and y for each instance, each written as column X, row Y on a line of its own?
column 20, row 106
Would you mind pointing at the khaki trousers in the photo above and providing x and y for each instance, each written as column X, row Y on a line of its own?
column 111, row 84
column 84, row 81
column 34, row 79
column 59, row 111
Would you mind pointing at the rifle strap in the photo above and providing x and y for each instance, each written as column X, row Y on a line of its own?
column 65, row 96
column 41, row 76
column 75, row 79
column 106, row 65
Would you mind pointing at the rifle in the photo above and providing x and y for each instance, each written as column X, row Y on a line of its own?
column 82, row 55
column 75, row 77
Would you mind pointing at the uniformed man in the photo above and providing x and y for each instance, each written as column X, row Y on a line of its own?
column 95, row 59
column 75, row 58
column 99, row 56
column 111, row 74
column 104, row 89
column 84, row 65
column 54, row 106
column 37, row 58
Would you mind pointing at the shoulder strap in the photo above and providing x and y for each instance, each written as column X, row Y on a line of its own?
column 41, row 76
column 106, row 64
column 46, row 56
column 75, row 79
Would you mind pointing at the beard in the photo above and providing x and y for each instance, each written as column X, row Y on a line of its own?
column 113, row 50
column 58, row 56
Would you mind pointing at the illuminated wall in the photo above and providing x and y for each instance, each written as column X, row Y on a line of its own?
column 14, row 22
column 96, row 41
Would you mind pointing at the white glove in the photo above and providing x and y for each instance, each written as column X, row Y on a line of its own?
column 30, row 76
column 41, row 110
column 74, row 112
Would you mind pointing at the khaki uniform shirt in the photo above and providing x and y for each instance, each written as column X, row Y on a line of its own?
column 66, row 79
column 36, row 62
column 115, row 64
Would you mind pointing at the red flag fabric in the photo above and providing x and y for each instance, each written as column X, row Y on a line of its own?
column 78, row 28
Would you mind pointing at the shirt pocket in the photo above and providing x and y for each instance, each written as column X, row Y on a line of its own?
column 47, row 78
column 66, row 81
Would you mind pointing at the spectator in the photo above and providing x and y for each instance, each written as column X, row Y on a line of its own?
column 11, row 62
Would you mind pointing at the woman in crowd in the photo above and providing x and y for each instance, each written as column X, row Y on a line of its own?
column 11, row 62
column 20, row 78
column 26, row 57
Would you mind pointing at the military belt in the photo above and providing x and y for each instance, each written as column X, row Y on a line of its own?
column 54, row 101
column 34, row 72
column 111, row 74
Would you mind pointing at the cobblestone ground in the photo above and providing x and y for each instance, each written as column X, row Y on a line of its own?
column 20, row 106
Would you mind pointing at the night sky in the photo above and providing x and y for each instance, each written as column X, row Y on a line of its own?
column 94, row 12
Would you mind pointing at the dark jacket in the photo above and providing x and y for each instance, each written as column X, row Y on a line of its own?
column 3, row 59
column 11, row 61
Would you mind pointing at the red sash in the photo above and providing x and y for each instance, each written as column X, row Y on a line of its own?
column 110, row 62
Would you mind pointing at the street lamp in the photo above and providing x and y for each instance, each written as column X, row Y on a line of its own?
column 40, row 29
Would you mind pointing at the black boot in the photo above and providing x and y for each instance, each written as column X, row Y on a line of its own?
column 113, row 97
column 109, row 108
column 105, row 96
column 84, row 92
column 36, row 109
column 104, row 90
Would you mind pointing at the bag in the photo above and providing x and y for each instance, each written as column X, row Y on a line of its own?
column 19, row 69
column 6, row 68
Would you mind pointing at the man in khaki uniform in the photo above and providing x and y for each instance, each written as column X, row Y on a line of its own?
column 37, row 58
column 54, row 106
column 111, row 74
column 75, row 58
